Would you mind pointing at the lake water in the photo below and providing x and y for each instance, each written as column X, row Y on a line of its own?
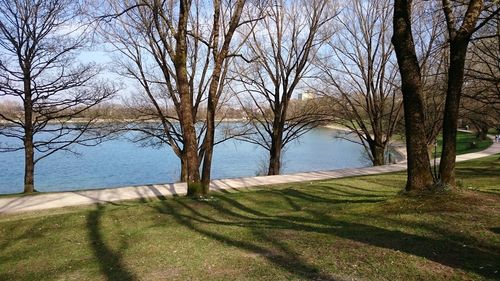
column 119, row 163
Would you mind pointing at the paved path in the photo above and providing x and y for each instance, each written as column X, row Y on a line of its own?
column 75, row 198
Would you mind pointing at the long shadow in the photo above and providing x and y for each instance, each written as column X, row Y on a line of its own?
column 32, row 233
column 318, row 199
column 284, row 257
column 449, row 251
column 342, row 190
column 110, row 261
column 446, row 252
column 373, row 191
column 241, row 206
column 451, row 235
column 477, row 172
column 295, row 206
column 495, row 230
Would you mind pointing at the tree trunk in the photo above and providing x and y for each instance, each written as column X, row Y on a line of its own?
column 215, row 83
column 378, row 154
column 483, row 132
column 29, row 154
column 187, row 117
column 275, row 153
column 191, row 147
column 184, row 168
column 29, row 164
column 458, row 51
column 193, row 164
column 419, row 170
column 209, row 147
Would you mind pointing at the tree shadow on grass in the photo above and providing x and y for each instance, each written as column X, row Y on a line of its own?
column 448, row 251
column 447, row 233
column 340, row 190
column 110, row 261
column 10, row 259
column 372, row 191
column 479, row 172
column 281, row 256
column 495, row 230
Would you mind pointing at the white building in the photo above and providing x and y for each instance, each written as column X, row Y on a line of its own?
column 306, row 96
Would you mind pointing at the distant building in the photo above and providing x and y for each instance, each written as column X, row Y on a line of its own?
column 306, row 96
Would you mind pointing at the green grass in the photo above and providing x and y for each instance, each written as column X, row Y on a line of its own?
column 465, row 143
column 345, row 229
column 493, row 131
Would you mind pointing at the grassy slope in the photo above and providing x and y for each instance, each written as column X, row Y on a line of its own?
column 330, row 230
column 464, row 141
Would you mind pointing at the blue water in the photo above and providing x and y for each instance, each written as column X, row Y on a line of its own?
column 119, row 162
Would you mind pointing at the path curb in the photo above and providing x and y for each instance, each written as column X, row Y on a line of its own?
column 147, row 192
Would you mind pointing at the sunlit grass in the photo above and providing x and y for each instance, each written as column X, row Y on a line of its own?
column 353, row 228
column 466, row 143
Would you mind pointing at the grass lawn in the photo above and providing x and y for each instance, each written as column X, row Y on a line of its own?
column 347, row 229
column 464, row 143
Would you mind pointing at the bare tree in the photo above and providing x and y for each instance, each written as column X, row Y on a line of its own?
column 363, row 74
column 179, row 53
column 462, row 20
column 39, row 42
column 429, row 31
column 282, row 47
column 419, row 170
column 480, row 105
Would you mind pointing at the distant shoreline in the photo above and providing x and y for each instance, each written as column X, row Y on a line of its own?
column 336, row 127
column 84, row 120
column 235, row 120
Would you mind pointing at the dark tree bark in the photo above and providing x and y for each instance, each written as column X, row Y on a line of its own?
column 275, row 151
column 29, row 152
column 458, row 51
column 186, row 103
column 378, row 152
column 419, row 170
column 184, row 169
column 459, row 38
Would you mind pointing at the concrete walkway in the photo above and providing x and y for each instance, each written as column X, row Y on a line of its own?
column 75, row 198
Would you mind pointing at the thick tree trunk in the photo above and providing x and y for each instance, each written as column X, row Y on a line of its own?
column 209, row 148
column 378, row 154
column 275, row 153
column 458, row 51
column 184, row 168
column 192, row 161
column 274, row 162
column 187, row 117
column 191, row 147
column 419, row 170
